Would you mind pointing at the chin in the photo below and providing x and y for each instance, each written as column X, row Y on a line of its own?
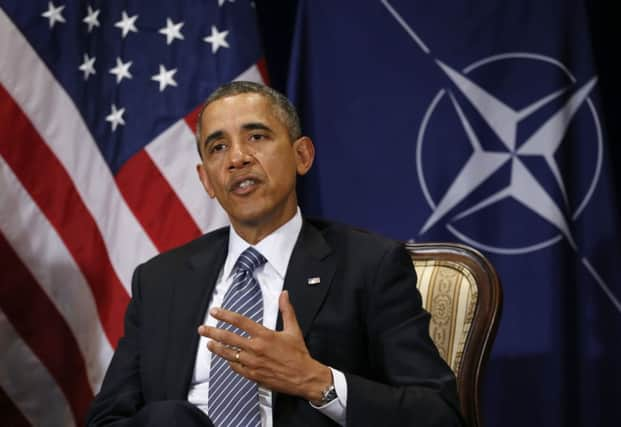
column 248, row 218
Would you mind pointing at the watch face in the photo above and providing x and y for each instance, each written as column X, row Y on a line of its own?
column 329, row 396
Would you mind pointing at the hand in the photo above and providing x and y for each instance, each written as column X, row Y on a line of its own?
column 277, row 360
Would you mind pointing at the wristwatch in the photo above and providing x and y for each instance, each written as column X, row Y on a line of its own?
column 327, row 395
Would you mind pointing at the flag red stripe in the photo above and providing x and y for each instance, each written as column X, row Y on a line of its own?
column 11, row 415
column 51, row 188
column 192, row 118
column 47, row 333
column 262, row 66
column 156, row 206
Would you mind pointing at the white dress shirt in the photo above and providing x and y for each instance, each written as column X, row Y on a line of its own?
column 277, row 249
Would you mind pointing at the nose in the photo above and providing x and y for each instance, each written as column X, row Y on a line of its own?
column 239, row 155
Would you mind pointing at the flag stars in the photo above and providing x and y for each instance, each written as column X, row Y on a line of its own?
column 88, row 66
column 172, row 31
column 121, row 70
column 116, row 117
column 165, row 77
column 127, row 24
column 217, row 39
column 54, row 14
column 91, row 19
column 221, row 2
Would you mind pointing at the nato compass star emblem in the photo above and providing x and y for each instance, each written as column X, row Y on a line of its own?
column 483, row 162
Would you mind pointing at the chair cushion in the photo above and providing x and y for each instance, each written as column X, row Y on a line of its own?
column 449, row 293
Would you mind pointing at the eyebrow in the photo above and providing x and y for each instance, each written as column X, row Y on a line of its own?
column 256, row 126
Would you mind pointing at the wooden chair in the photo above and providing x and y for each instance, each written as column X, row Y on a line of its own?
column 462, row 291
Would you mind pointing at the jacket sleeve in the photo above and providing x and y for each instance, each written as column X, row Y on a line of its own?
column 120, row 397
column 411, row 385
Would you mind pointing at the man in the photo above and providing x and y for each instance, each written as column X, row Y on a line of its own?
column 304, row 323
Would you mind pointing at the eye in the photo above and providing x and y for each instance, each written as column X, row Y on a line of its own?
column 217, row 147
column 257, row 137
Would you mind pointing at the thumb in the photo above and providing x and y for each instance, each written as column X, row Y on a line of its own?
column 289, row 320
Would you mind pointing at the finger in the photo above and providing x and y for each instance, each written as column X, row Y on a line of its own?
column 238, row 359
column 223, row 336
column 237, row 320
column 224, row 351
column 289, row 319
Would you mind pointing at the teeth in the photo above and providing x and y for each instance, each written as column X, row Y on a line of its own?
column 246, row 183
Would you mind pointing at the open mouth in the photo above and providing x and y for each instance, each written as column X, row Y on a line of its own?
column 246, row 183
column 244, row 186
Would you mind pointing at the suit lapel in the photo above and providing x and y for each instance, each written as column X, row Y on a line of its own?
column 188, row 305
column 310, row 260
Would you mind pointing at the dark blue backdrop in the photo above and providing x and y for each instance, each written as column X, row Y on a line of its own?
column 399, row 97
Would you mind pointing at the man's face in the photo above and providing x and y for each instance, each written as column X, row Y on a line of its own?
column 250, row 163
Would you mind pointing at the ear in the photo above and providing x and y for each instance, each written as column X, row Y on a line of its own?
column 304, row 152
column 202, row 176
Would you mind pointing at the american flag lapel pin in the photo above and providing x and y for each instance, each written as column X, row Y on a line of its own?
column 313, row 281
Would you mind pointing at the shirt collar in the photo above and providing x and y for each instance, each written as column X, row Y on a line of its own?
column 276, row 247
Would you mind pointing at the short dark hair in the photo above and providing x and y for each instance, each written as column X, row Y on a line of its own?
column 283, row 108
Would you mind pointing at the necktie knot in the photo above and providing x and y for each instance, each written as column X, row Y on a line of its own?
column 249, row 260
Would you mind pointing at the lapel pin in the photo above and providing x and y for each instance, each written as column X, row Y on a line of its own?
column 313, row 280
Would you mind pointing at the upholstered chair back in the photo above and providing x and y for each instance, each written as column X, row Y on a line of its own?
column 461, row 290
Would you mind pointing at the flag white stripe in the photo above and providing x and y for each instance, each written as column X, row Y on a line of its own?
column 252, row 74
column 174, row 153
column 60, row 125
column 28, row 384
column 55, row 270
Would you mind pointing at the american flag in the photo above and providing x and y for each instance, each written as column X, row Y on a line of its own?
column 98, row 101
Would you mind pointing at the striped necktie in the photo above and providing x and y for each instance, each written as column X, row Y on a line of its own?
column 233, row 399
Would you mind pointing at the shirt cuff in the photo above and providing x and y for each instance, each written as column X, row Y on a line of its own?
column 337, row 409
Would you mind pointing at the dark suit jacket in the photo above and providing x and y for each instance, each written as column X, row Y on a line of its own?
column 364, row 318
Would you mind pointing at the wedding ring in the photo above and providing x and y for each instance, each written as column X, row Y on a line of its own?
column 237, row 355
